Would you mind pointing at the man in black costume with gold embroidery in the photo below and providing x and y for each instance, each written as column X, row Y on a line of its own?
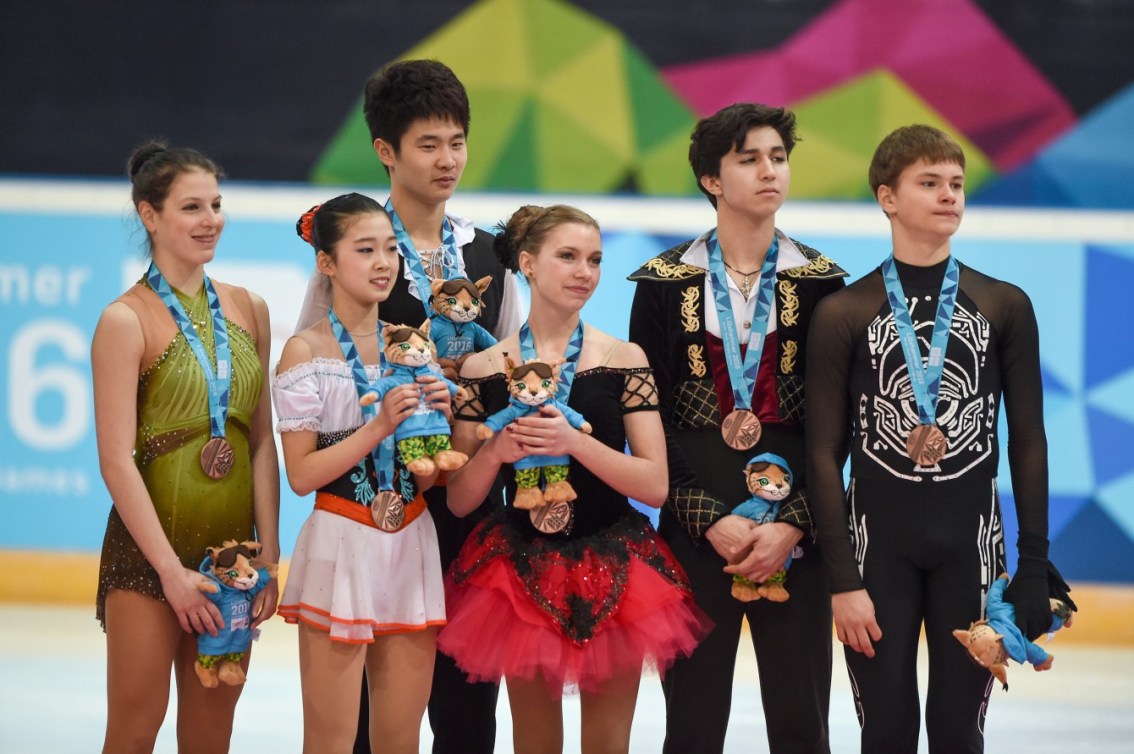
column 699, row 312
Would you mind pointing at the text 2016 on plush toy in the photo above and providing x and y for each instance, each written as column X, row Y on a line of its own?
column 423, row 438
column 231, row 579
column 456, row 304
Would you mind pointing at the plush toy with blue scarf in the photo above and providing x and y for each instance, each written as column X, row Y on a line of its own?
column 456, row 304
column 231, row 578
column 768, row 478
column 423, row 437
column 533, row 384
column 992, row 641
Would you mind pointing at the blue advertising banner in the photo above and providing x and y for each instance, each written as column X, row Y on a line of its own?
column 74, row 249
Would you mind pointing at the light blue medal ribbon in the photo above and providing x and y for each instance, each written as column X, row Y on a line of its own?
column 926, row 444
column 413, row 259
column 742, row 371
column 570, row 357
column 219, row 380
column 383, row 455
column 925, row 381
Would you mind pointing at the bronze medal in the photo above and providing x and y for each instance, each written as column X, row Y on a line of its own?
column 388, row 510
column 217, row 458
column 926, row 445
column 741, row 429
column 551, row 518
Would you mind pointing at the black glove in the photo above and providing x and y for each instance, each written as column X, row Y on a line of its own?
column 1029, row 591
column 1057, row 588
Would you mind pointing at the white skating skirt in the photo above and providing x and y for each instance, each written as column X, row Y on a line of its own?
column 356, row 581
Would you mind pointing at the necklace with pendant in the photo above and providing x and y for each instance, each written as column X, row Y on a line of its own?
column 745, row 285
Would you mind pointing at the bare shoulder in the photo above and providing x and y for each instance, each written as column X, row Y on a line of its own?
column 297, row 350
column 261, row 315
column 259, row 305
column 615, row 352
column 118, row 338
column 491, row 360
column 119, row 320
column 480, row 364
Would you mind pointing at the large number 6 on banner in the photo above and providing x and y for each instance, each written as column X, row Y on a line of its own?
column 27, row 382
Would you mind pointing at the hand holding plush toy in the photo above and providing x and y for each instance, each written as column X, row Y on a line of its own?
column 456, row 304
column 532, row 384
column 231, row 579
column 991, row 641
column 769, row 480
column 422, row 438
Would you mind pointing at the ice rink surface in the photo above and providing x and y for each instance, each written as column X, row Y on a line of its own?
column 53, row 677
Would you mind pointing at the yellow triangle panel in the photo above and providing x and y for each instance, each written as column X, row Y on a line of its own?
column 592, row 91
column 841, row 127
column 570, row 159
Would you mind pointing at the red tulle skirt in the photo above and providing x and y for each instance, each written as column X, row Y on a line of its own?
column 575, row 614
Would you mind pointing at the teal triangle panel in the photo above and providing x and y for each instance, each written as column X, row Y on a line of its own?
column 1093, row 548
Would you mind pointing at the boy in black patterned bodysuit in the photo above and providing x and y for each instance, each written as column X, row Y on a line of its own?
column 917, row 538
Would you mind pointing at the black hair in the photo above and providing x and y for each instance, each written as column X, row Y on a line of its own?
column 323, row 225
column 725, row 130
column 411, row 90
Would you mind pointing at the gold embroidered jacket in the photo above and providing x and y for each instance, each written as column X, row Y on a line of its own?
column 667, row 320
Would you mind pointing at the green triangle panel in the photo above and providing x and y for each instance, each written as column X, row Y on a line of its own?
column 602, row 113
column 496, row 113
column 571, row 159
column 665, row 168
column 350, row 158
column 822, row 169
column 515, row 167
column 557, row 33
column 654, row 108
column 591, row 90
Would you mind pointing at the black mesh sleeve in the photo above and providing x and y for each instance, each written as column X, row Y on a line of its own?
column 835, row 328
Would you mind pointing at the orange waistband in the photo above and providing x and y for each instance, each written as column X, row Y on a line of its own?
column 359, row 513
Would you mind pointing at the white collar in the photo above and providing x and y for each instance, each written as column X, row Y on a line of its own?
column 464, row 230
column 790, row 257
column 463, row 233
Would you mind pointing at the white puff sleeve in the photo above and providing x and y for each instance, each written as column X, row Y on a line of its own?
column 298, row 399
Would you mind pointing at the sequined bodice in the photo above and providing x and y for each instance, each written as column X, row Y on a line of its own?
column 173, row 402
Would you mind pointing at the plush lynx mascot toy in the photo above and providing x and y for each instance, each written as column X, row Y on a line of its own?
column 530, row 385
column 423, row 438
column 456, row 305
column 990, row 642
column 232, row 578
column 769, row 480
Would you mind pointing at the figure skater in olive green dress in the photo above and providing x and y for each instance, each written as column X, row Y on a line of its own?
column 186, row 450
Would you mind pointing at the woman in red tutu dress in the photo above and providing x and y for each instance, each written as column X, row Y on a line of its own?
column 578, row 594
